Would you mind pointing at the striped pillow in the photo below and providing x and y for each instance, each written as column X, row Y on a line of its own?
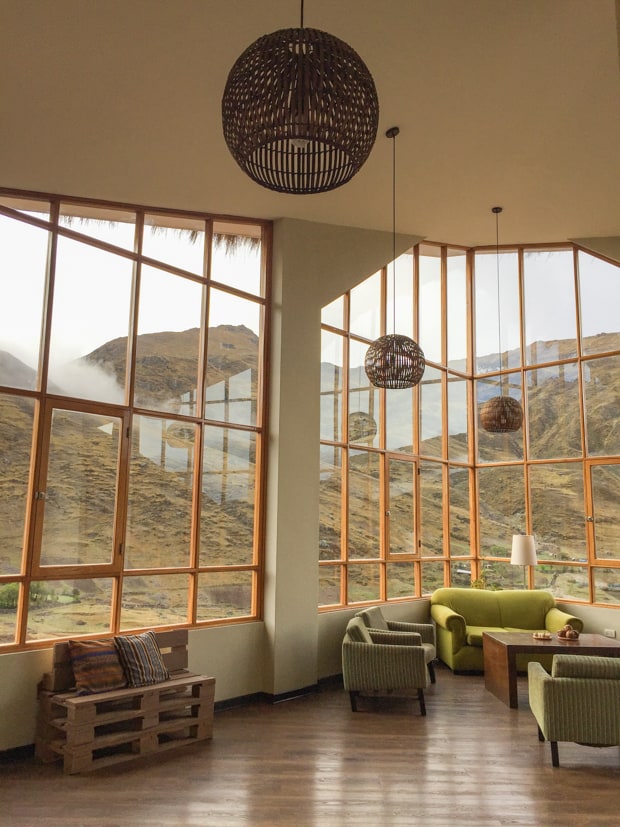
column 96, row 666
column 141, row 659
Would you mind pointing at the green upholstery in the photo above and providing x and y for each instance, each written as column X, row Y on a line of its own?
column 379, row 661
column 462, row 616
column 579, row 701
column 374, row 619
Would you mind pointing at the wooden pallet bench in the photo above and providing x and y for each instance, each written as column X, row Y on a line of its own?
column 93, row 731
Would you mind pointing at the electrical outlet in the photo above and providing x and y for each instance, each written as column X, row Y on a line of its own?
column 609, row 632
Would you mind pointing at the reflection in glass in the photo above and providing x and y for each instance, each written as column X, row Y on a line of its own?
column 431, row 413
column 365, row 308
column 549, row 301
column 502, row 508
column 332, row 360
column 400, row 580
column 601, row 378
column 557, row 503
column 363, row 399
column 232, row 359
column 236, row 258
column 16, row 423
column 67, row 608
column 554, row 419
column 363, row 582
column 460, row 537
column 107, row 224
column 458, row 445
column 160, row 494
column 486, row 304
column 401, row 499
column 23, row 260
column 224, row 594
column 330, row 503
column 175, row 240
column 399, row 420
column 606, row 585
column 457, row 310
column 432, row 576
column 606, row 496
column 460, row 574
column 364, row 502
column 599, row 293
column 564, row 582
column 430, row 305
column 154, row 600
column 496, row 447
column 228, row 497
column 430, row 481
column 329, row 585
column 78, row 526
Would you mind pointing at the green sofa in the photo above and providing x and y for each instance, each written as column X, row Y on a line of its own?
column 462, row 615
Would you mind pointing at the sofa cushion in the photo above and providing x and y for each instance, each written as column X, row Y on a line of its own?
column 373, row 618
column 357, row 631
column 478, row 607
column 96, row 666
column 585, row 666
column 141, row 659
column 524, row 609
column 474, row 633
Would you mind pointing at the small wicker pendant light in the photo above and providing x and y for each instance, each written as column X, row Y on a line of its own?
column 300, row 111
column 394, row 361
column 500, row 414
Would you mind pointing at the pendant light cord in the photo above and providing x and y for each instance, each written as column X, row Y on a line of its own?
column 302, row 14
column 392, row 133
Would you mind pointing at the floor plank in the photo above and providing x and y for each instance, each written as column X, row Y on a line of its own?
column 311, row 761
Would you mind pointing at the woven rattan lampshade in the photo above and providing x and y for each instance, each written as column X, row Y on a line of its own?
column 300, row 111
column 501, row 414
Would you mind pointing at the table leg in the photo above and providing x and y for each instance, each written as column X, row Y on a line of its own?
column 500, row 671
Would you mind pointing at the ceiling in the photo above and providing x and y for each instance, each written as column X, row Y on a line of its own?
column 499, row 102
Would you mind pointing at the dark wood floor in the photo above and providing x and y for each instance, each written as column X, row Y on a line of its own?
column 311, row 761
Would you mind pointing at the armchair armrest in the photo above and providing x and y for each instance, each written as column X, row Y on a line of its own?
column 425, row 630
column 395, row 638
column 367, row 666
column 555, row 619
column 453, row 622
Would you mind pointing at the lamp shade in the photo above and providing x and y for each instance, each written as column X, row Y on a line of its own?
column 523, row 550
column 501, row 414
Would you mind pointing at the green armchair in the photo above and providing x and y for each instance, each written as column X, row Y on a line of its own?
column 376, row 661
column 579, row 701
column 373, row 619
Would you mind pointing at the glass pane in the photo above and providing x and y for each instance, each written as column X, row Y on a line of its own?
column 66, row 608
column 430, row 323
column 159, row 507
column 224, row 594
column 457, row 310
column 499, row 447
column 236, row 256
column 228, row 497
column 601, row 379
column 606, row 585
column 332, row 361
column 401, row 499
column 364, row 503
column 458, row 444
column 399, row 319
column 175, row 240
column 460, row 538
column 431, row 413
column 499, row 575
column 460, row 574
column 23, row 261
column 233, row 359
column 564, row 582
column 16, row 423
column 92, row 300
column 606, row 495
column 502, row 508
column 599, row 291
column 9, row 600
column 103, row 223
column 556, row 492
column 497, row 311
column 168, row 344
column 329, row 585
column 78, row 526
column 363, row 582
column 432, row 576
column 400, row 580
column 554, row 417
column 399, row 420
column 330, row 503
column 363, row 399
column 549, row 300
column 333, row 314
column 431, row 509
column 154, row 600
column 365, row 310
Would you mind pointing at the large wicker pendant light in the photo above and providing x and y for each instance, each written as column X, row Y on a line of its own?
column 500, row 414
column 394, row 361
column 300, row 111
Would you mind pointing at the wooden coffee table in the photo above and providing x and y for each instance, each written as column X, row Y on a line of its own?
column 501, row 650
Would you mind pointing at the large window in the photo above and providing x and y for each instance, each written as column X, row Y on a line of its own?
column 422, row 496
column 131, row 418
